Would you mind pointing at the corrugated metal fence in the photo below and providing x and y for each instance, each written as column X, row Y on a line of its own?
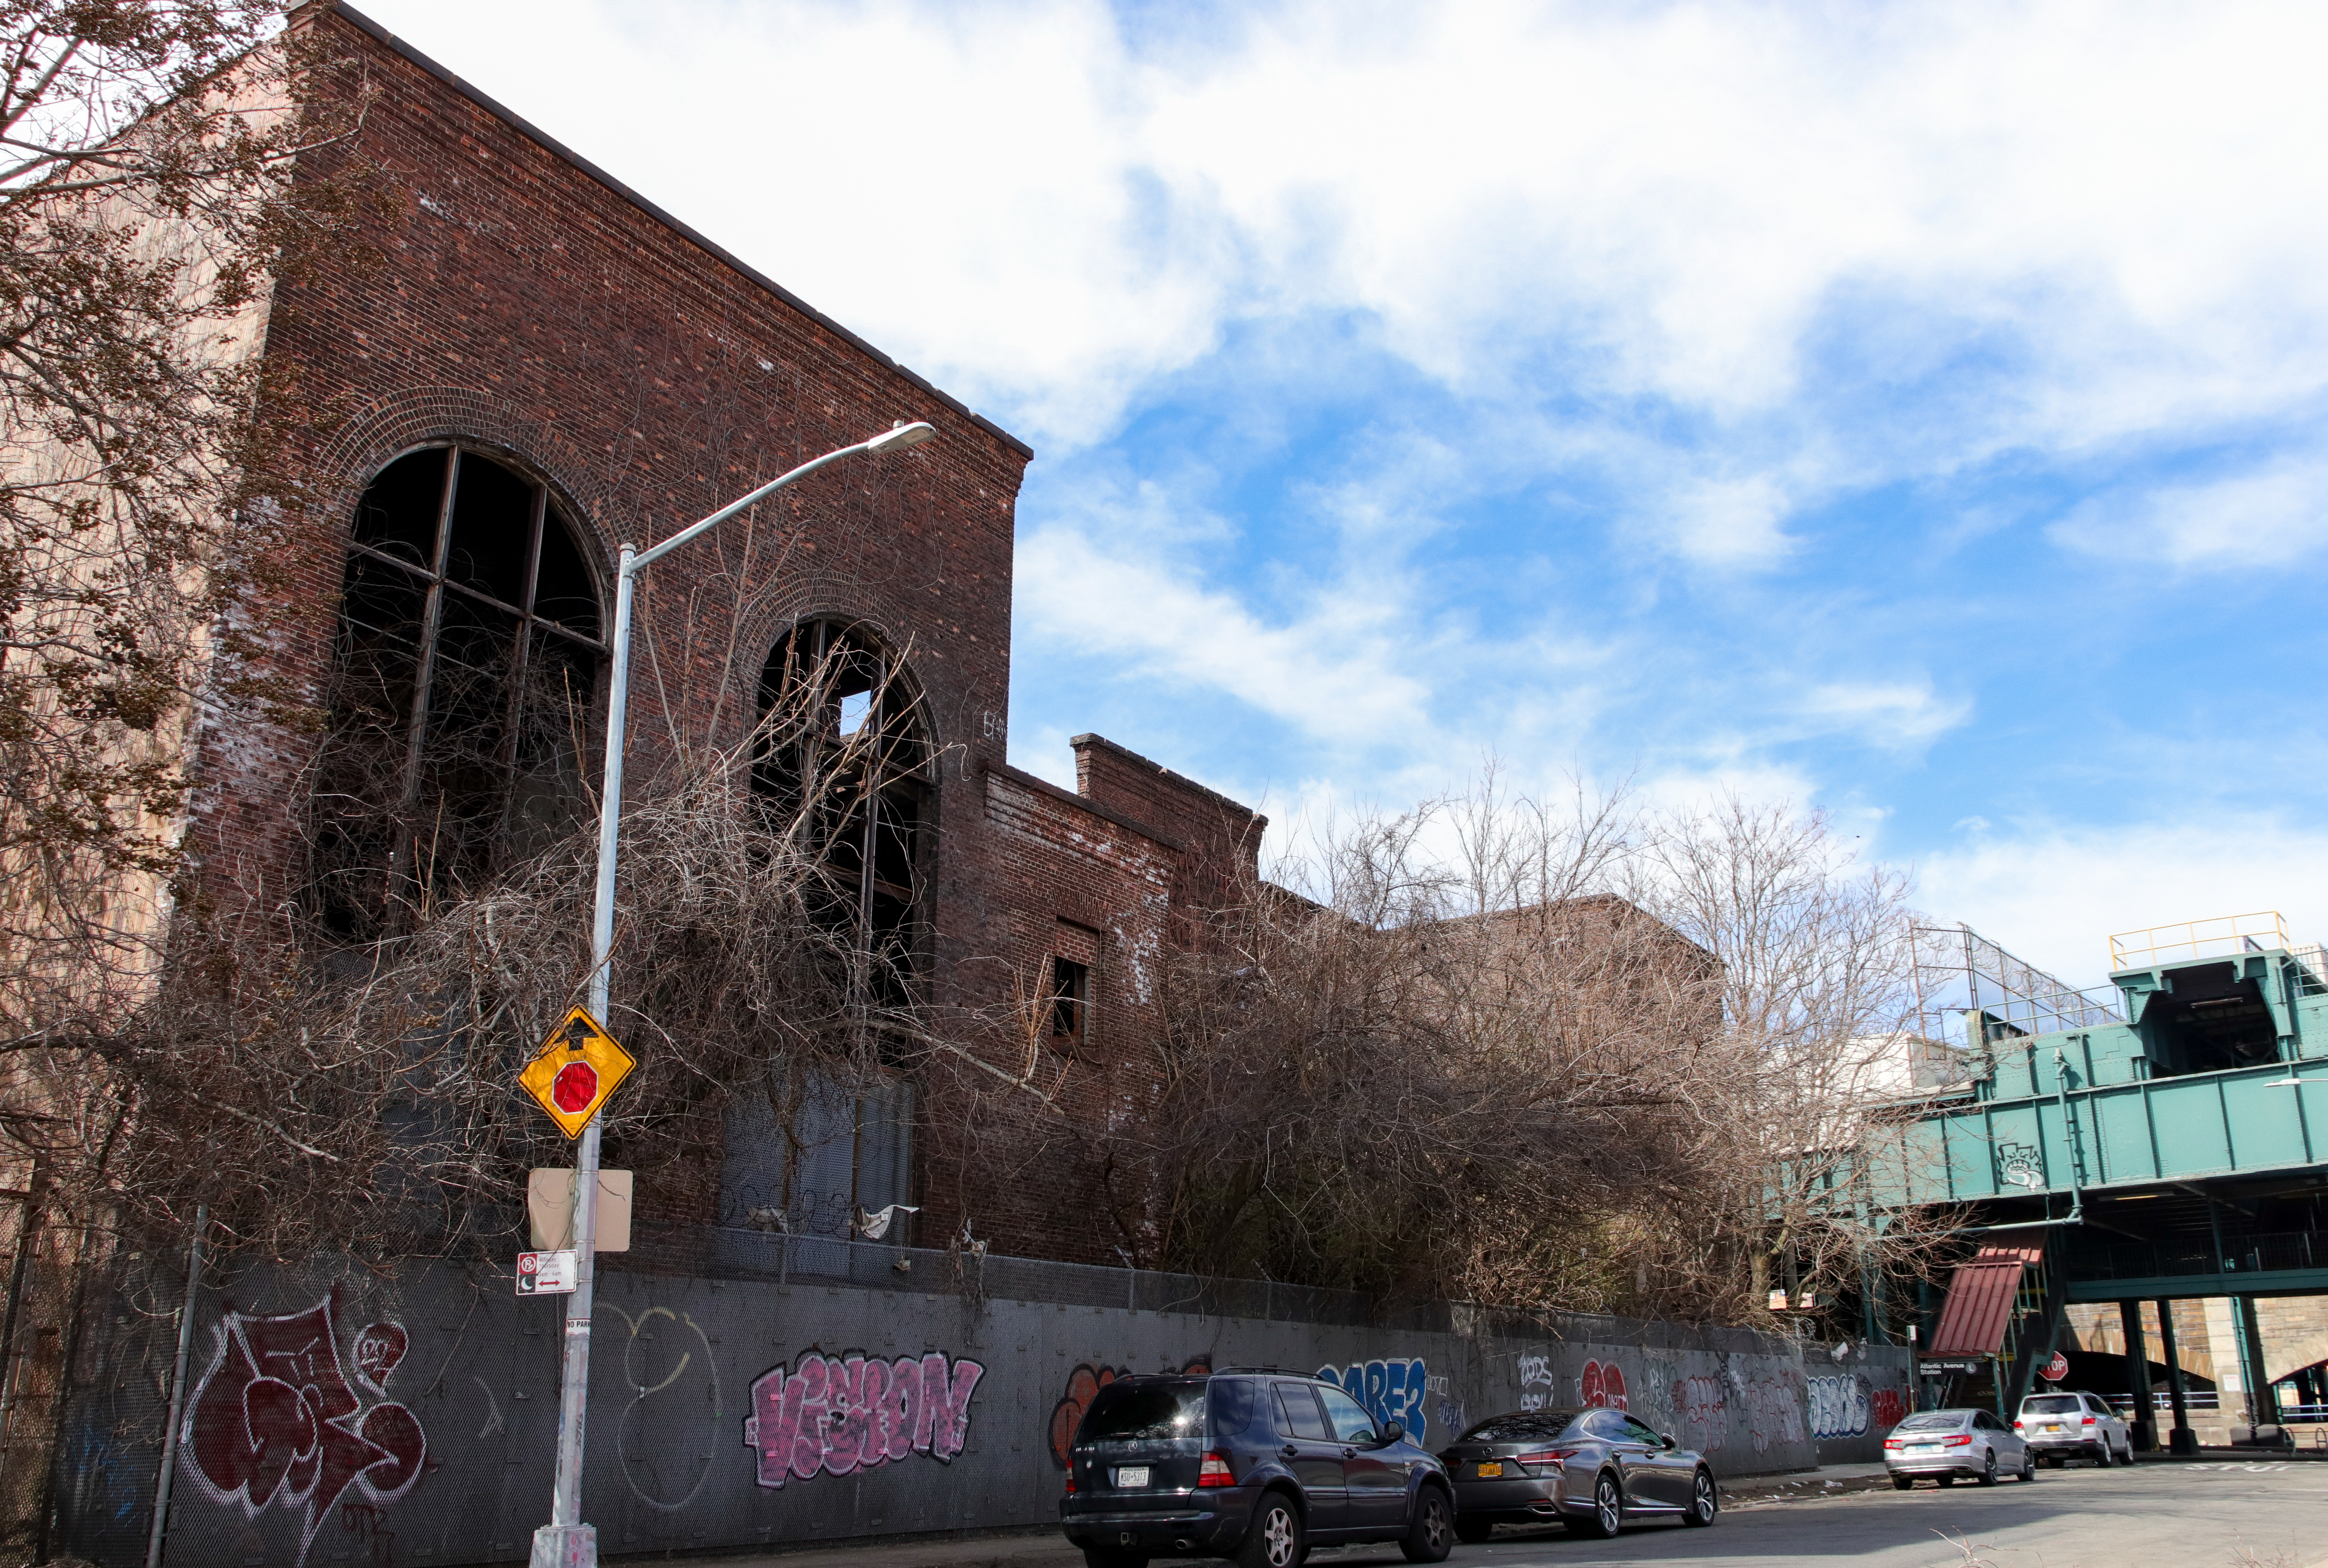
column 750, row 1389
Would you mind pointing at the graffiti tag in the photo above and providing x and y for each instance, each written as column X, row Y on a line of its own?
column 1704, row 1413
column 839, row 1414
column 1841, row 1406
column 274, row 1422
column 1392, row 1390
column 1083, row 1384
column 1602, row 1385
column 1774, row 1413
column 1890, row 1408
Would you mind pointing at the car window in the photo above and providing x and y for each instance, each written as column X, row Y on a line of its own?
column 1144, row 1413
column 1933, row 1420
column 1297, row 1413
column 2049, row 1404
column 1350, row 1422
column 1522, row 1426
column 1638, row 1432
column 1605, row 1424
column 1232, row 1402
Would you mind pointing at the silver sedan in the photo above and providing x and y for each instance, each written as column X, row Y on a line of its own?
column 1949, row 1445
column 1593, row 1470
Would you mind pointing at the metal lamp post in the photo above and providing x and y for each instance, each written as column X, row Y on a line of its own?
column 566, row 1542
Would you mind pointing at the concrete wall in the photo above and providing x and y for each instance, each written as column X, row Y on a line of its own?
column 1857, row 1399
column 333, row 1417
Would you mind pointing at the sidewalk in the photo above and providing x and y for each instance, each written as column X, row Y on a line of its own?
column 1047, row 1548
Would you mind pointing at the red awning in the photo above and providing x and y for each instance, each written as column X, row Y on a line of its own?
column 1980, row 1301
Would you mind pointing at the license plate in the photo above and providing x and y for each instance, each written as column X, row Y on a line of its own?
column 1923, row 1448
column 1131, row 1475
column 2053, row 1426
column 1489, row 1472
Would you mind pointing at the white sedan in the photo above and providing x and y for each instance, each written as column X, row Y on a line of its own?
column 1949, row 1445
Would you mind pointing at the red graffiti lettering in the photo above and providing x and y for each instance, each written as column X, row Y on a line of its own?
column 1602, row 1385
column 1890, row 1409
column 274, row 1420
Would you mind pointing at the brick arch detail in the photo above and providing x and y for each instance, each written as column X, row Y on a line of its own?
column 419, row 415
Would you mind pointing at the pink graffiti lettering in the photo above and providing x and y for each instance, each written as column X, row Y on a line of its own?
column 1602, row 1385
column 840, row 1414
column 1890, row 1409
column 274, row 1421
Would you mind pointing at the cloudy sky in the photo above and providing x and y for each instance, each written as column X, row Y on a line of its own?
column 1914, row 411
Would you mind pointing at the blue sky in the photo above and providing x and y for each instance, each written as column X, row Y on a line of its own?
column 1911, row 411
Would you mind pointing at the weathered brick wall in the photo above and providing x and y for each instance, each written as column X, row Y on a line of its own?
column 528, row 307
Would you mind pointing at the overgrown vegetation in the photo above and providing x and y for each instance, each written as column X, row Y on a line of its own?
column 1543, row 1054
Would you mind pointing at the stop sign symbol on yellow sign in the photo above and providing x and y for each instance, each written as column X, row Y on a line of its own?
column 576, row 1069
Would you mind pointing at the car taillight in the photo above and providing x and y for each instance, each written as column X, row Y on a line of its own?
column 2088, row 1421
column 1964, row 1442
column 1071, row 1483
column 2017, row 1426
column 1552, row 1456
column 1893, row 1442
column 1215, row 1472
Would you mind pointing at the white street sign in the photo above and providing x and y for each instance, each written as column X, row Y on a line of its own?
column 545, row 1273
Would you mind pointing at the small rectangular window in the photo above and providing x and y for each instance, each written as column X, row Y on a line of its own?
column 1070, row 993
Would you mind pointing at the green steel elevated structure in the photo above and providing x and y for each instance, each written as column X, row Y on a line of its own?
column 2165, row 1137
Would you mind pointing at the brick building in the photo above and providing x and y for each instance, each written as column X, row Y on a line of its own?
column 549, row 366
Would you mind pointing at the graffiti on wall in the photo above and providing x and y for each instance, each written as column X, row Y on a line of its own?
column 1083, row 1384
column 1537, row 1385
column 1774, row 1411
column 832, row 1414
column 1842, row 1406
column 1394, row 1390
column 276, row 1422
column 1602, row 1385
column 677, row 1394
column 1890, row 1408
column 1704, row 1407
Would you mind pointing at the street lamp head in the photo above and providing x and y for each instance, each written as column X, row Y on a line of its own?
column 902, row 437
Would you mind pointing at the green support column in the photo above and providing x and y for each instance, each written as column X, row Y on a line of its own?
column 2144, row 1418
column 2181, row 1439
column 2263, row 1399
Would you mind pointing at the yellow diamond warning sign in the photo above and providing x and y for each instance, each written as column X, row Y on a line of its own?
column 578, row 1066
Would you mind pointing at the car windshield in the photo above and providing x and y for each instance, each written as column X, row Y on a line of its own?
column 1144, row 1413
column 2050, row 1405
column 1521, row 1426
column 1935, row 1421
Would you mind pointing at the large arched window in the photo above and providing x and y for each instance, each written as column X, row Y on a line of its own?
column 846, row 759
column 469, row 651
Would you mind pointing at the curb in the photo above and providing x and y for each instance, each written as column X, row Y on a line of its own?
column 1805, row 1487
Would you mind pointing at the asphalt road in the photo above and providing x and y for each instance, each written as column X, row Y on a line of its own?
column 2153, row 1515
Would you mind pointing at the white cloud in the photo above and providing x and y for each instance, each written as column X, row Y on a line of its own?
column 1667, row 198
column 2276, row 514
column 2055, row 895
column 1898, row 717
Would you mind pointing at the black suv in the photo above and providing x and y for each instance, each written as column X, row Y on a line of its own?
column 1254, row 1465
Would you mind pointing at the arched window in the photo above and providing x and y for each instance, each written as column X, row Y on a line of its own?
column 846, row 757
column 469, row 651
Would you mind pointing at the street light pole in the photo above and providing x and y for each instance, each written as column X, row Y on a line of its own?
column 566, row 1542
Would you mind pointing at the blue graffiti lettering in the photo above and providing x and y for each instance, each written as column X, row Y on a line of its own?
column 1392, row 1390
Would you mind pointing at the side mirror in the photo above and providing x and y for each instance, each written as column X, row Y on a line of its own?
column 1666, row 1438
column 1393, row 1431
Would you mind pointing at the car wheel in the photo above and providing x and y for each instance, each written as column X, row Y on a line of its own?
column 1903, row 1483
column 1988, row 1470
column 1431, row 1536
column 2028, row 1466
column 1608, row 1512
column 1472, row 1532
column 1275, row 1541
column 1703, row 1501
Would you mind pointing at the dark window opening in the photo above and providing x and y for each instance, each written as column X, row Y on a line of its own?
column 844, row 760
column 461, row 702
column 1070, row 991
column 2208, row 1020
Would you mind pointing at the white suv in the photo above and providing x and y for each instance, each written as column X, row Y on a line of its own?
column 2061, row 1427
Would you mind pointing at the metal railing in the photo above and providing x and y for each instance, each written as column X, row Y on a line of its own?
column 2222, row 935
column 2292, row 1249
